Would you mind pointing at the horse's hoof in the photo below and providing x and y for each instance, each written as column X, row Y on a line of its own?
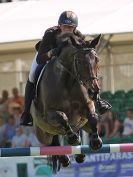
column 80, row 158
column 64, row 160
column 74, row 139
column 95, row 142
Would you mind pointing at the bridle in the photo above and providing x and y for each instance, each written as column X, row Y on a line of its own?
column 76, row 74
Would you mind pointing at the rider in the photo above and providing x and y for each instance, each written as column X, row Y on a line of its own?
column 46, row 49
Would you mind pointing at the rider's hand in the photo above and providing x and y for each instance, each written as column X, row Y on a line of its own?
column 53, row 52
column 57, row 51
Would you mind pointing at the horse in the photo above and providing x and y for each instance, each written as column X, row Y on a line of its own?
column 63, row 105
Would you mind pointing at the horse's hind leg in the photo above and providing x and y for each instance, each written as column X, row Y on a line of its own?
column 63, row 159
column 80, row 158
column 60, row 118
column 51, row 140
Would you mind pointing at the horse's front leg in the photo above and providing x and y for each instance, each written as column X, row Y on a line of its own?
column 95, row 140
column 60, row 118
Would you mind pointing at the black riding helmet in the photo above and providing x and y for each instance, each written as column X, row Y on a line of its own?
column 68, row 18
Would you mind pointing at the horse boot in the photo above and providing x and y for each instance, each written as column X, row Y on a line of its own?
column 95, row 141
column 26, row 118
column 64, row 160
column 102, row 105
column 80, row 158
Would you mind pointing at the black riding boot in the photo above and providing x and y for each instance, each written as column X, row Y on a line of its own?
column 102, row 105
column 26, row 118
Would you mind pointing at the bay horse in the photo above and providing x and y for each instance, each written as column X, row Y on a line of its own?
column 63, row 105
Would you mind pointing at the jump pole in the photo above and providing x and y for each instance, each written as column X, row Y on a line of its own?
column 62, row 150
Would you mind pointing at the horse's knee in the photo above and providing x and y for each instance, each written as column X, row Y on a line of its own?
column 62, row 117
column 94, row 120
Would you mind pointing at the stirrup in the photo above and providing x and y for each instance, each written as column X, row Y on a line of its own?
column 103, row 106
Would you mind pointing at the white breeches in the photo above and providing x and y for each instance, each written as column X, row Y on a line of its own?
column 33, row 69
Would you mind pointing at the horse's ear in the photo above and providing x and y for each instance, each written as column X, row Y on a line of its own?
column 75, row 41
column 95, row 41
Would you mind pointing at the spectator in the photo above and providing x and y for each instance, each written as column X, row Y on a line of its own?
column 115, row 124
column 128, row 124
column 20, row 139
column 4, row 105
column 9, row 130
column 103, row 126
column 5, row 97
column 2, row 133
column 16, row 112
column 32, row 139
column 4, row 114
column 16, row 99
column 110, row 124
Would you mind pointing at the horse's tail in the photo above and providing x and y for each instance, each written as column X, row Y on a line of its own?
column 53, row 160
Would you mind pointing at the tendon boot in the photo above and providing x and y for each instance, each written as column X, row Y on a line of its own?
column 102, row 105
column 26, row 118
column 80, row 158
column 64, row 160
column 95, row 141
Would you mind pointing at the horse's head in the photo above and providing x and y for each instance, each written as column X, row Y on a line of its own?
column 81, row 60
column 67, row 44
column 86, row 67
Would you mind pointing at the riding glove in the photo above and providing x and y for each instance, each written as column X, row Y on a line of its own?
column 57, row 51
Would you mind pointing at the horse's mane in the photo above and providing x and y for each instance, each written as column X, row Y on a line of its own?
column 69, row 38
column 72, row 39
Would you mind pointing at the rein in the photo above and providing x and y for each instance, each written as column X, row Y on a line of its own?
column 77, row 79
column 76, row 74
column 79, row 76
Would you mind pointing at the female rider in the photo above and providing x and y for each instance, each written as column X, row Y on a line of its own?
column 68, row 22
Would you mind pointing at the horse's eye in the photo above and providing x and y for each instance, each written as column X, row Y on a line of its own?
column 79, row 62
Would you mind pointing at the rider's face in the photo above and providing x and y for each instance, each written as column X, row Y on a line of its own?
column 65, row 28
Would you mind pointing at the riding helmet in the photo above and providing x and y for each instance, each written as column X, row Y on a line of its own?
column 68, row 18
